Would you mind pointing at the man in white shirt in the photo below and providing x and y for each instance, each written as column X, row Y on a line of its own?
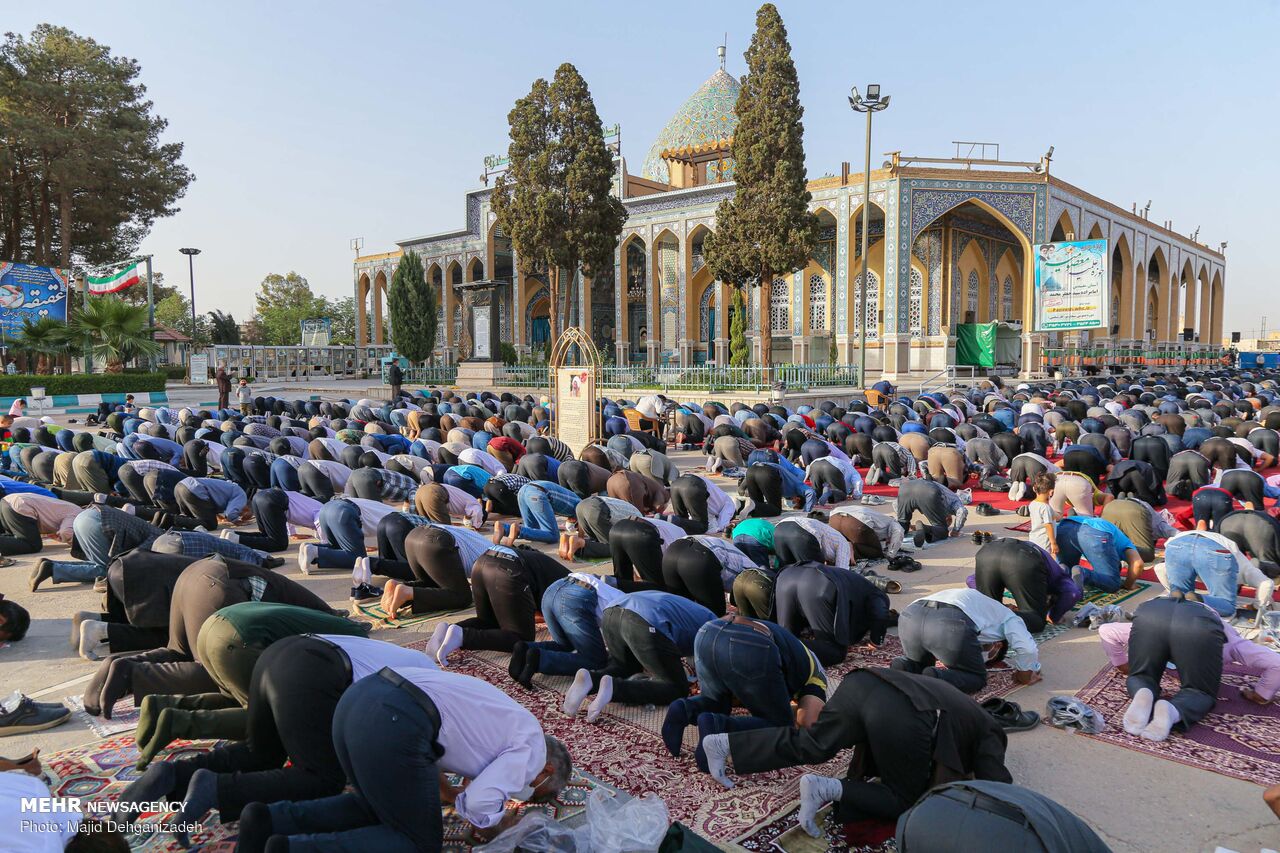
column 482, row 459
column 800, row 538
column 703, row 568
column 964, row 629
column 293, row 697
column 442, row 723
column 279, row 514
column 637, row 546
column 700, row 506
column 834, row 479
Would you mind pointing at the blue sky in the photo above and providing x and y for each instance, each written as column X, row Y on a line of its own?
column 308, row 124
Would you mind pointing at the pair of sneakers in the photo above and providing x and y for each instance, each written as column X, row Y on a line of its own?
column 20, row 714
column 874, row 473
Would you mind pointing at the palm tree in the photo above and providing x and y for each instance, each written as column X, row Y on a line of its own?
column 114, row 331
column 44, row 338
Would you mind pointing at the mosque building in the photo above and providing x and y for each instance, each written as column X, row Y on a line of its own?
column 950, row 242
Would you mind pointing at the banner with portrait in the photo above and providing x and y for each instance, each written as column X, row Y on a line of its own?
column 575, row 406
column 1072, row 286
column 29, row 292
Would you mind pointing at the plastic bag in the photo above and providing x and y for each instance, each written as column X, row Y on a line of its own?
column 637, row 825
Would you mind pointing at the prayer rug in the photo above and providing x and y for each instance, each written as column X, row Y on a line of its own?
column 625, row 748
column 124, row 716
column 783, row 833
column 1247, row 592
column 1237, row 738
column 373, row 612
column 100, row 771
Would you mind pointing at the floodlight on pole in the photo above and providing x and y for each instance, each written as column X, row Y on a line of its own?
column 872, row 103
column 191, row 269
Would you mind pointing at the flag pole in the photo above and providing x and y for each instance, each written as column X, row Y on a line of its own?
column 151, row 312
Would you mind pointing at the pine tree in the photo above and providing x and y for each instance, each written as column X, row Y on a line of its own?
column 555, row 201
column 766, row 227
column 739, row 355
column 412, row 305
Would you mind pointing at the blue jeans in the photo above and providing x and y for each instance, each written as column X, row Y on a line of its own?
column 736, row 660
column 1194, row 557
column 388, row 747
column 96, row 547
column 569, row 609
column 537, row 515
column 1076, row 541
column 453, row 478
column 343, row 535
column 284, row 476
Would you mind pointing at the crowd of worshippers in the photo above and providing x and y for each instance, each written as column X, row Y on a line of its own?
column 210, row 642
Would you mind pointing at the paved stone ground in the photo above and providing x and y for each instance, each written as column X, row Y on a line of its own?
column 1135, row 802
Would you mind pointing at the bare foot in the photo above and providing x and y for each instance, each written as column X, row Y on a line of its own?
column 576, row 544
column 388, row 593
column 563, row 551
column 513, row 530
column 403, row 595
column 496, row 538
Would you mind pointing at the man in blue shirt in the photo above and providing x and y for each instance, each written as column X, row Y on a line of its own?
column 647, row 634
column 1104, row 545
column 205, row 498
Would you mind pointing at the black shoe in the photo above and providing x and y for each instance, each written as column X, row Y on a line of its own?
column 42, row 572
column 978, row 537
column 365, row 592
column 920, row 538
column 275, row 563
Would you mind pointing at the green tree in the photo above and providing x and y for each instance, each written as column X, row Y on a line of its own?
column 739, row 353
column 413, row 308
column 113, row 331
column 283, row 302
column 44, row 339
column 174, row 312
column 766, row 227
column 83, row 173
column 343, row 313
column 555, row 201
column 222, row 328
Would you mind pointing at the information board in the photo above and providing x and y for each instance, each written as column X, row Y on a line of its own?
column 575, row 406
column 483, row 341
column 198, row 368
column 1072, row 287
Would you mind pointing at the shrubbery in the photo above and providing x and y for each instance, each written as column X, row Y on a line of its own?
column 19, row 385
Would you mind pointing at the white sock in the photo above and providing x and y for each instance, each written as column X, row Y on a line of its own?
column 604, row 695
column 451, row 642
column 1163, row 718
column 361, row 573
column 1138, row 714
column 577, row 693
column 717, row 749
column 433, row 645
column 93, row 635
column 815, row 792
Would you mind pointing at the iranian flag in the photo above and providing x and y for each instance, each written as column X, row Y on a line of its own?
column 126, row 277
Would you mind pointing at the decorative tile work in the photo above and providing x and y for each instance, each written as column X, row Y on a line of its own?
column 705, row 332
column 541, row 293
column 779, row 306
column 817, row 303
column 842, row 270
column 797, row 301
column 707, row 116
column 873, row 306
column 916, row 313
column 933, row 240
column 669, row 291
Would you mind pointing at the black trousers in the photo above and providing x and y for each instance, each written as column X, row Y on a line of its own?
column 1211, row 505
column 763, row 484
column 1025, row 470
column 793, row 544
column 195, row 458
column 315, row 483
column 134, row 485
column 189, row 503
column 636, row 548
column 828, row 482
column 689, row 569
column 1187, row 472
column 271, row 509
column 258, row 469
column 931, row 631
column 293, row 693
column 436, row 571
column 1132, row 484
column 1188, row 635
column 19, row 534
column 889, row 462
column 635, row 647
column 689, row 501
column 1244, row 486
column 505, row 604
column 806, row 601
column 392, row 560
column 366, row 483
column 502, row 497
column 915, row 496
column 1016, row 566
column 1254, row 532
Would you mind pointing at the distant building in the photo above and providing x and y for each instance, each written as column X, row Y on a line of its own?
column 950, row 243
column 176, row 345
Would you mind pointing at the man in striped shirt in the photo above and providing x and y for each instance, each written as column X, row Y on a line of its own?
column 381, row 485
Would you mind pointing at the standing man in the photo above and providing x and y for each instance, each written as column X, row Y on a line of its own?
column 395, row 378
column 224, row 387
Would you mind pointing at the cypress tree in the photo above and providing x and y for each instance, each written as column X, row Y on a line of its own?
column 766, row 227
column 739, row 355
column 412, row 304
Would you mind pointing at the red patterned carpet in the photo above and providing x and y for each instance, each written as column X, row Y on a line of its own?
column 1237, row 739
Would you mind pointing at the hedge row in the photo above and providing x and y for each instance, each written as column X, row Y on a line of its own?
column 19, row 385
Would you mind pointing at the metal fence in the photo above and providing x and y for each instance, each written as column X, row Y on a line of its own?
column 796, row 377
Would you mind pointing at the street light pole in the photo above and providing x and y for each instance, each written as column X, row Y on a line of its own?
column 872, row 103
column 191, row 270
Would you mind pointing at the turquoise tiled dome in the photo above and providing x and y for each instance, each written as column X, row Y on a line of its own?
column 707, row 116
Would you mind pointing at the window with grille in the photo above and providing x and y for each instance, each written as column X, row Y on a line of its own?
column 817, row 303
column 780, row 306
column 915, row 308
column 1006, row 299
column 635, row 272
column 873, row 306
column 972, row 301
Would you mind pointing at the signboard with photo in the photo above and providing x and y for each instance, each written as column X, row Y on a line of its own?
column 1072, row 286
